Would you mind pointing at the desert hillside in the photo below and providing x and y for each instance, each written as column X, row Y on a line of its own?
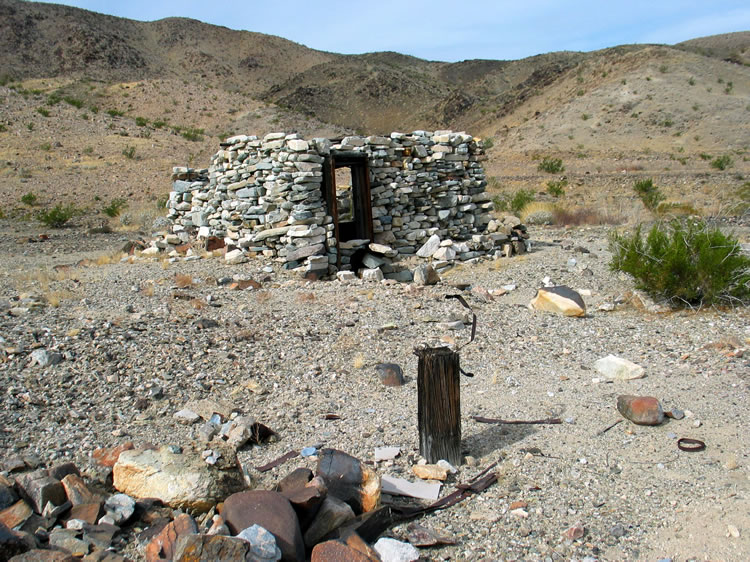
column 96, row 107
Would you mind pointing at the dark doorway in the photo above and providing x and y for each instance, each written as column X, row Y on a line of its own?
column 347, row 193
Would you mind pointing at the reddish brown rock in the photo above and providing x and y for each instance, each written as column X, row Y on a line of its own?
column 214, row 243
column 390, row 374
column 350, row 480
column 337, row 551
column 88, row 512
column 199, row 548
column 77, row 491
column 39, row 488
column 40, row 555
column 575, row 532
column 642, row 410
column 163, row 545
column 244, row 284
column 11, row 543
column 331, row 515
column 16, row 514
column 298, row 478
column 270, row 510
column 307, row 500
column 108, row 456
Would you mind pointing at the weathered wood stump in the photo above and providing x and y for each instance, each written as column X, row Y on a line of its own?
column 439, row 404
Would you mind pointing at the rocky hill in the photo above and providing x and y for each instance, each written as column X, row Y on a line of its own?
column 96, row 107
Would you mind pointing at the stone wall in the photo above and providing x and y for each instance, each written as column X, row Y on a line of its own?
column 266, row 197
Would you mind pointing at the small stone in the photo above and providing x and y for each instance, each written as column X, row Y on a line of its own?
column 186, row 417
column 390, row 374
column 45, row 358
column 520, row 513
column 733, row 531
column 308, row 451
column 262, row 543
column 430, row 472
column 617, row 368
column 642, row 410
column 575, row 532
column 120, row 507
column 617, row 530
column 391, row 550
column 425, row 274
column 386, row 453
column 732, row 463
column 697, row 423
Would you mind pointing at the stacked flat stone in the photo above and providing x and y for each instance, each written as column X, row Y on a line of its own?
column 265, row 196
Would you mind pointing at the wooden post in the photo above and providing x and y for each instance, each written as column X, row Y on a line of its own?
column 439, row 405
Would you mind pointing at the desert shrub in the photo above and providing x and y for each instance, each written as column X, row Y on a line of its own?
column 45, row 146
column 141, row 121
column 53, row 99
column 649, row 193
column 75, row 102
column 489, row 143
column 676, row 208
column 557, row 188
column 687, row 262
column 115, row 113
column 43, row 111
column 722, row 162
column 29, row 199
column 537, row 212
column 513, row 201
column 551, row 165
column 115, row 207
column 57, row 216
column 582, row 215
column 129, row 152
column 192, row 134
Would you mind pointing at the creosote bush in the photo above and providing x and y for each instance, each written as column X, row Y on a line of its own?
column 551, row 165
column 649, row 193
column 57, row 216
column 115, row 207
column 685, row 261
column 722, row 162
column 513, row 201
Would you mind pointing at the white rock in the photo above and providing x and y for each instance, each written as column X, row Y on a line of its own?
column 372, row 275
column 429, row 247
column 617, row 368
column 391, row 550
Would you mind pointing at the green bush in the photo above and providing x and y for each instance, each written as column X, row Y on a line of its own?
column 649, row 193
column 686, row 262
column 115, row 207
column 193, row 134
column 722, row 162
column 129, row 152
column 53, row 99
column 551, row 165
column 488, row 143
column 43, row 111
column 29, row 199
column 75, row 102
column 141, row 121
column 557, row 188
column 115, row 113
column 513, row 202
column 57, row 216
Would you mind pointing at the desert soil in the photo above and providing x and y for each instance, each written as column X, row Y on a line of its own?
column 293, row 351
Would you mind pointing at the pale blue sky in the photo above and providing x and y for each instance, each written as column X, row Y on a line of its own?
column 454, row 30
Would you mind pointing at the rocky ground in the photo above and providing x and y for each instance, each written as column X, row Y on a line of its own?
column 138, row 342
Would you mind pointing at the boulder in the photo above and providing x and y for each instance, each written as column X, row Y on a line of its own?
column 561, row 300
column 182, row 481
column 273, row 512
column 163, row 545
column 350, row 480
column 39, row 488
column 331, row 515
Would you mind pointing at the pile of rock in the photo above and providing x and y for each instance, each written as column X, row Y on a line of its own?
column 266, row 197
column 304, row 515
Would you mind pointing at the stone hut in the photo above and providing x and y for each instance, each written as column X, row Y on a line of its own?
column 327, row 205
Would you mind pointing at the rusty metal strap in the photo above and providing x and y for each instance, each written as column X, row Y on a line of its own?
column 274, row 463
column 460, row 299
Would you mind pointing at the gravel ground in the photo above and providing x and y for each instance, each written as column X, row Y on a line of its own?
column 135, row 352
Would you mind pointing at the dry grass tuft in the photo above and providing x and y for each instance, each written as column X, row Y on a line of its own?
column 107, row 259
column 148, row 289
column 54, row 298
column 183, row 281
column 263, row 296
column 305, row 297
column 584, row 215
column 198, row 304
column 359, row 361
column 538, row 212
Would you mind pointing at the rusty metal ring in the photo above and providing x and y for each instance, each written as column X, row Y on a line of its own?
column 690, row 445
